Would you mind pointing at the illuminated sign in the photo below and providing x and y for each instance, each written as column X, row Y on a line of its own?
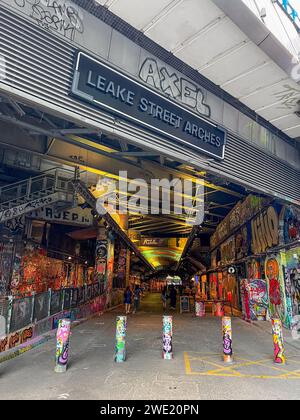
column 108, row 89
column 290, row 12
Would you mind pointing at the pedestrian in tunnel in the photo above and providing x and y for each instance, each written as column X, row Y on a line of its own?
column 173, row 297
column 164, row 297
column 137, row 297
column 127, row 299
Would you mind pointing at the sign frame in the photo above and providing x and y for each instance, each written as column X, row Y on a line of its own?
column 85, row 96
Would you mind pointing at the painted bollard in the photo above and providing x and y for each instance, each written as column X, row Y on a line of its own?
column 120, row 350
column 167, row 353
column 279, row 354
column 200, row 309
column 62, row 345
column 227, row 340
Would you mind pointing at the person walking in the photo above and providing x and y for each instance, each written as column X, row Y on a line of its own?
column 173, row 297
column 127, row 299
column 137, row 297
column 164, row 297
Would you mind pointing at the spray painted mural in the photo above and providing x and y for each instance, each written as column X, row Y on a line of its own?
column 291, row 261
column 290, row 224
column 276, row 290
column 254, row 299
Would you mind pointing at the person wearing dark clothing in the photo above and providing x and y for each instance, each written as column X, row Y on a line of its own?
column 173, row 297
column 137, row 297
column 164, row 297
column 127, row 299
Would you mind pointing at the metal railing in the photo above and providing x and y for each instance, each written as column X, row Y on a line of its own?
column 17, row 313
column 48, row 182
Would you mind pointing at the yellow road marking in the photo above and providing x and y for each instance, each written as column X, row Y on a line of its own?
column 230, row 372
column 187, row 363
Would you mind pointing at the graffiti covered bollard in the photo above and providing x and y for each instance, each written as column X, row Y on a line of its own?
column 167, row 353
column 120, row 350
column 62, row 345
column 227, row 340
column 200, row 309
column 279, row 356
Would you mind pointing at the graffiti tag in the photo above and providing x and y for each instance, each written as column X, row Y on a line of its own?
column 179, row 88
column 53, row 15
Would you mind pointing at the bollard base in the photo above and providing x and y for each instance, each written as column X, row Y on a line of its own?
column 60, row 369
column 120, row 358
column 228, row 360
column 167, row 356
column 279, row 362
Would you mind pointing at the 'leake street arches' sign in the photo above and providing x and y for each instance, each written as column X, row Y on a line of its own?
column 108, row 89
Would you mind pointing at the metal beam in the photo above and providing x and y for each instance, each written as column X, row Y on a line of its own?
column 84, row 192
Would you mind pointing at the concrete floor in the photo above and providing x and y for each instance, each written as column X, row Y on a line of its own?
column 197, row 371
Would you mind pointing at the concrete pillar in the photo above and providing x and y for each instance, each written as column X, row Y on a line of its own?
column 101, row 259
column 120, row 349
column 227, row 340
column 279, row 353
column 124, row 270
column 110, row 268
column 167, row 352
column 62, row 345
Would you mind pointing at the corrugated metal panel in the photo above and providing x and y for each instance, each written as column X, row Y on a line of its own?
column 41, row 65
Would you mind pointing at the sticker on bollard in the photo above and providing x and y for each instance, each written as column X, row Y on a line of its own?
column 62, row 345
column 120, row 350
column 227, row 340
column 167, row 353
column 200, row 309
column 279, row 356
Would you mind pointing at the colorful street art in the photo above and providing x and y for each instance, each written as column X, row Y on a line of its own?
column 16, row 339
column 265, row 230
column 276, row 289
column 122, row 267
column 62, row 345
column 245, row 295
column 279, row 356
column 213, row 286
column 167, row 352
column 227, row 340
column 291, row 262
column 110, row 270
column 120, row 349
column 101, row 259
column 200, row 309
column 255, row 300
column 290, row 224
